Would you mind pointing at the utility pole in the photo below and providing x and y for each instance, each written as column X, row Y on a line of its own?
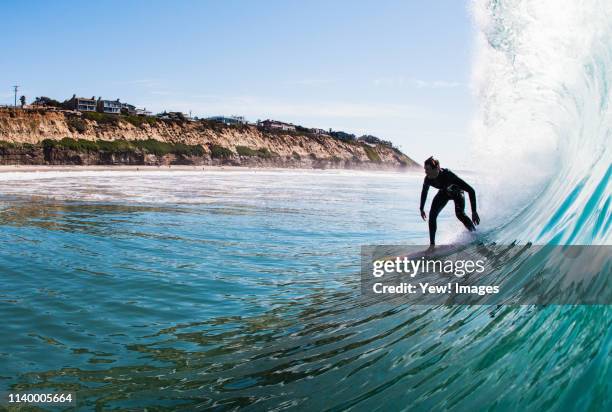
column 15, row 88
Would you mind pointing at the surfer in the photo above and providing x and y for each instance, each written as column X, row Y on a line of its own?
column 450, row 187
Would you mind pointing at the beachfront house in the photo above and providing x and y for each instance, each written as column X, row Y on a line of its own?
column 81, row 104
column 342, row 135
column 127, row 108
column 142, row 112
column 109, row 106
column 132, row 110
column 172, row 116
column 319, row 132
column 374, row 141
column 231, row 120
column 276, row 125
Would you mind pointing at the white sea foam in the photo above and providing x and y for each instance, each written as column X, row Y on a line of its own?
column 542, row 134
column 187, row 186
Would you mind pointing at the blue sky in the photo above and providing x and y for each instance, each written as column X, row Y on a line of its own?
column 396, row 69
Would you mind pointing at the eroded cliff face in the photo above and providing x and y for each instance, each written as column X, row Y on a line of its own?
column 24, row 128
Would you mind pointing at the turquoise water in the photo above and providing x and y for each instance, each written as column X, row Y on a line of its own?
column 198, row 290
column 103, row 270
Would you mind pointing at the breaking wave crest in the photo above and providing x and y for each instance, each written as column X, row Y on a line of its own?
column 542, row 136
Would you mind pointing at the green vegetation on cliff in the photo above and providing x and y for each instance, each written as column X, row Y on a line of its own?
column 114, row 119
column 149, row 146
column 372, row 155
column 220, row 152
column 248, row 152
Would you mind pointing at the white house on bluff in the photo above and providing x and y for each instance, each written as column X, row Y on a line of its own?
column 109, row 106
column 231, row 120
column 82, row 104
column 275, row 124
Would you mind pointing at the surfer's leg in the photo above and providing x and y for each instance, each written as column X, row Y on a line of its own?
column 437, row 204
column 459, row 200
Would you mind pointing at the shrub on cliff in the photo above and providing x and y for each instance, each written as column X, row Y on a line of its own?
column 266, row 154
column 372, row 155
column 263, row 152
column 245, row 151
column 101, row 118
column 187, row 149
column 76, row 124
column 48, row 144
column 139, row 121
column 7, row 145
column 68, row 143
column 116, row 146
column 153, row 146
column 78, row 145
column 220, row 152
column 47, row 101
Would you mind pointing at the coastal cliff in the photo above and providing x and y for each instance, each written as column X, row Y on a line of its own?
column 39, row 136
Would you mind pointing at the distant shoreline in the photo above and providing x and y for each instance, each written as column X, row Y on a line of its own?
column 42, row 137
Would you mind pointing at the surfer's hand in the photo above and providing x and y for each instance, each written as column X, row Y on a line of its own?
column 423, row 215
column 475, row 218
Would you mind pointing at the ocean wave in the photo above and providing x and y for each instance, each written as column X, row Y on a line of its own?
column 542, row 135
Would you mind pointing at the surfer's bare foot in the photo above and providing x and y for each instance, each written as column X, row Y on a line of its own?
column 432, row 246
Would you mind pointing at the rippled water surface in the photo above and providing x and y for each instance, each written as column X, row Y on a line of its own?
column 221, row 289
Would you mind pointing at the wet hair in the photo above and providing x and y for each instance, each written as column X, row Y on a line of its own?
column 431, row 162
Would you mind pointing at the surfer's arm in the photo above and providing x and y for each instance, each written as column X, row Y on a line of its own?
column 424, row 191
column 469, row 189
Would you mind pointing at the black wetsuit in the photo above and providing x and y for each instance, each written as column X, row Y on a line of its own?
column 451, row 187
